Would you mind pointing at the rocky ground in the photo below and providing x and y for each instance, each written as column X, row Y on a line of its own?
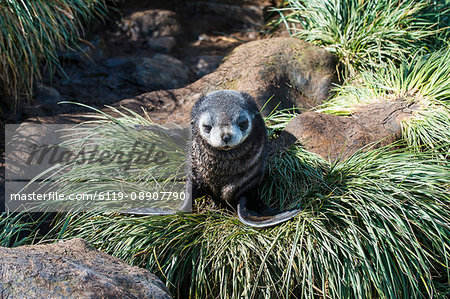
column 146, row 46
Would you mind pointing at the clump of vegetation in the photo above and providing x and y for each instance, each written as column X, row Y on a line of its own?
column 123, row 160
column 31, row 33
column 367, row 33
column 375, row 225
column 17, row 229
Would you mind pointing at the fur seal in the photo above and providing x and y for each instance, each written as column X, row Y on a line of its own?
column 228, row 150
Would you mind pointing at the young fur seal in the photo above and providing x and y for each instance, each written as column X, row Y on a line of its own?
column 227, row 155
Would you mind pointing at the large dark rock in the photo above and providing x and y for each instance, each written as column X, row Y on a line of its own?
column 338, row 137
column 160, row 72
column 73, row 269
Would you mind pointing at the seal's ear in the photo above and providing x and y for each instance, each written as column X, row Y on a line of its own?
column 250, row 101
column 247, row 97
column 195, row 108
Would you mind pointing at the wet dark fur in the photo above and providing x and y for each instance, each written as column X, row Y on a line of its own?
column 227, row 175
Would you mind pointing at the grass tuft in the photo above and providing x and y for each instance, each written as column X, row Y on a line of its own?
column 18, row 229
column 112, row 159
column 375, row 225
column 31, row 33
column 367, row 33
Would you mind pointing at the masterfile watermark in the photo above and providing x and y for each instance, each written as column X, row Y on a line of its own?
column 136, row 169
column 99, row 195
column 56, row 154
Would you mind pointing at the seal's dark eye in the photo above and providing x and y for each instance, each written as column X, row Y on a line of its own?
column 243, row 125
column 207, row 128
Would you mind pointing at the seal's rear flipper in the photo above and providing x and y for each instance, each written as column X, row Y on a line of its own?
column 266, row 218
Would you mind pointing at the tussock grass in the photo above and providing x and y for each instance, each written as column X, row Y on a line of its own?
column 18, row 229
column 31, row 33
column 422, row 78
column 278, row 119
column 110, row 155
column 367, row 33
column 292, row 175
column 376, row 225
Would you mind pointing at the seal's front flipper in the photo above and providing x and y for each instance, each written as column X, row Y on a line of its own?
column 265, row 218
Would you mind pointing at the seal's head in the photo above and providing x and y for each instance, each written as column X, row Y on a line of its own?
column 224, row 118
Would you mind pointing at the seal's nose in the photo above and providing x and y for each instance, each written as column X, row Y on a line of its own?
column 226, row 137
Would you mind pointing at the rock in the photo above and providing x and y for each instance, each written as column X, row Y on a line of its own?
column 338, row 137
column 119, row 61
column 162, row 44
column 151, row 23
column 160, row 72
column 73, row 269
column 287, row 71
column 206, row 64
column 47, row 95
